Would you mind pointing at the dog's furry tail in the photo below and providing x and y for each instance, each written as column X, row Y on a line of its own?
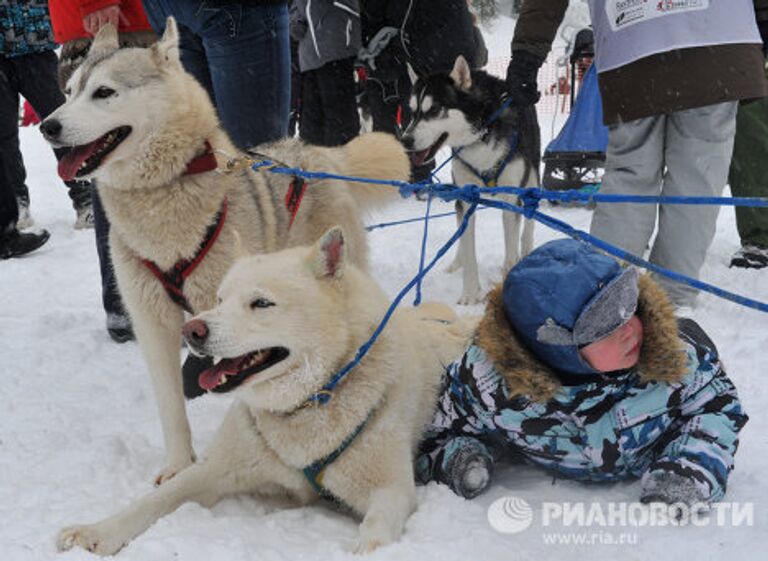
column 375, row 155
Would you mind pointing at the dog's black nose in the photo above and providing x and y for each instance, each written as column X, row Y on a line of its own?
column 51, row 128
column 195, row 331
column 407, row 141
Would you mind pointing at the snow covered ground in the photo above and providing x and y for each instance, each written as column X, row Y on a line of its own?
column 80, row 437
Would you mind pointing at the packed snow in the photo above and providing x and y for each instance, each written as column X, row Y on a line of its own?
column 80, row 435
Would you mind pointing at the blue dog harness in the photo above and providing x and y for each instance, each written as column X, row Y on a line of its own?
column 314, row 472
column 490, row 177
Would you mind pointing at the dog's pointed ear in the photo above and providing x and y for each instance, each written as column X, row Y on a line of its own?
column 166, row 51
column 412, row 73
column 105, row 40
column 329, row 254
column 240, row 250
column 461, row 74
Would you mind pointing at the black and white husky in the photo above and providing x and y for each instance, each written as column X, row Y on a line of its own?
column 460, row 110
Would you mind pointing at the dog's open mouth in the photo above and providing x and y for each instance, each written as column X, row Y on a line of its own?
column 84, row 159
column 421, row 157
column 229, row 373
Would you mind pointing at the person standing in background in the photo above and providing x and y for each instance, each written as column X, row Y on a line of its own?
column 28, row 68
column 240, row 52
column 427, row 35
column 671, row 76
column 328, row 32
column 748, row 176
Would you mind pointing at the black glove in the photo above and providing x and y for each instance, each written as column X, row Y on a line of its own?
column 522, row 72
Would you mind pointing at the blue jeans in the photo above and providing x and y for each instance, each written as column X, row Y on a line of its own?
column 241, row 54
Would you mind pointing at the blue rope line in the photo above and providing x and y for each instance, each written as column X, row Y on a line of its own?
column 529, row 197
column 417, row 219
column 417, row 299
column 565, row 228
column 408, row 221
column 450, row 192
column 324, row 395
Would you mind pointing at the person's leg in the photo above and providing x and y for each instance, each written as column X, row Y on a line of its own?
column 633, row 165
column 295, row 112
column 191, row 48
column 699, row 145
column 248, row 52
column 12, row 242
column 12, row 172
column 747, row 177
column 311, row 116
column 336, row 82
column 38, row 83
column 118, row 322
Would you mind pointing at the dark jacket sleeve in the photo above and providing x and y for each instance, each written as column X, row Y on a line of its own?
column 537, row 25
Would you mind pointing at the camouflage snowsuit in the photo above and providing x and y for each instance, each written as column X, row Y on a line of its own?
column 601, row 428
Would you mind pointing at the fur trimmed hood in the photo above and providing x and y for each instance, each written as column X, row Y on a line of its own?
column 662, row 357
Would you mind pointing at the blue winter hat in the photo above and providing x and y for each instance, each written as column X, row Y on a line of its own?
column 565, row 295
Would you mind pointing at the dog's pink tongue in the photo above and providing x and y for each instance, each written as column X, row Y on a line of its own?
column 417, row 158
column 211, row 377
column 72, row 161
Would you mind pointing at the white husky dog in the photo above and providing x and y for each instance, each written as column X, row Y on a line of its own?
column 146, row 131
column 285, row 323
column 458, row 109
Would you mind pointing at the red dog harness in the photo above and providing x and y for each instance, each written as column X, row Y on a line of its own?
column 173, row 280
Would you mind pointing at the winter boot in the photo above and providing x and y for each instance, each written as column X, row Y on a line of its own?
column 84, row 218
column 750, row 256
column 14, row 243
column 80, row 193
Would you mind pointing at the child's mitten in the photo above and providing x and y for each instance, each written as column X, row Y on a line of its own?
column 670, row 488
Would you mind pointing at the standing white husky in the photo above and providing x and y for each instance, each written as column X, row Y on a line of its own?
column 286, row 322
column 147, row 132
column 458, row 110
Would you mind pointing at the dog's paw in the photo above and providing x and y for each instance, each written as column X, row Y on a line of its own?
column 172, row 469
column 90, row 538
column 471, row 297
column 363, row 546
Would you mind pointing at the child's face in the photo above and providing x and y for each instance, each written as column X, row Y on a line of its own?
column 619, row 351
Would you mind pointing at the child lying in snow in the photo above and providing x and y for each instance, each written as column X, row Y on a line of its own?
column 580, row 367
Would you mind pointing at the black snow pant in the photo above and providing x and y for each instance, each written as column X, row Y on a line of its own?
column 35, row 77
column 328, row 106
column 110, row 296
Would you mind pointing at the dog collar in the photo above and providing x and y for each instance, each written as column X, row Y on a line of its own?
column 202, row 163
column 173, row 280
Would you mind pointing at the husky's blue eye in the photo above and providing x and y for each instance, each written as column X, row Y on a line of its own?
column 103, row 92
column 261, row 303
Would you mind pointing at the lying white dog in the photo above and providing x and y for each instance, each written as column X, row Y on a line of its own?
column 285, row 323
